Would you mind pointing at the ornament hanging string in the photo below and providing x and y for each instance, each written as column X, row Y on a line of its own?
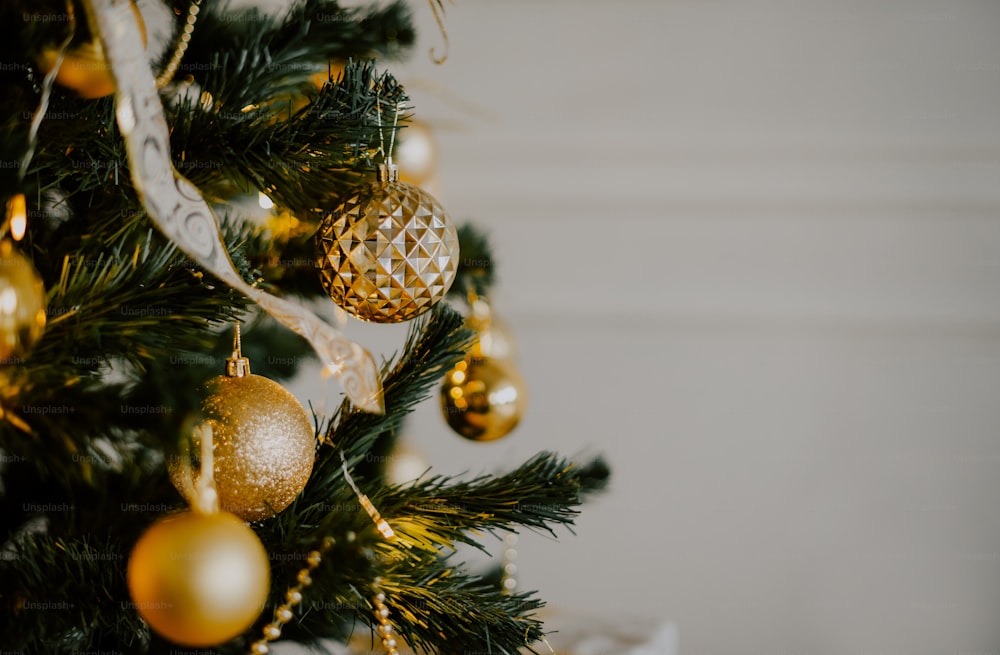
column 203, row 495
column 387, row 154
column 43, row 103
column 437, row 6
column 177, row 208
column 15, row 208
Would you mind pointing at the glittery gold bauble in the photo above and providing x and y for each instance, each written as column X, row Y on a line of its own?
column 415, row 153
column 388, row 253
column 264, row 445
column 483, row 399
column 84, row 68
column 199, row 579
column 22, row 304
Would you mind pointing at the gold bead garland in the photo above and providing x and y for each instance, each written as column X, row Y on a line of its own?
column 183, row 41
column 508, row 581
column 384, row 628
column 283, row 613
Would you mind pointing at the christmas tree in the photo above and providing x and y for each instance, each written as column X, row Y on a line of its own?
column 156, row 495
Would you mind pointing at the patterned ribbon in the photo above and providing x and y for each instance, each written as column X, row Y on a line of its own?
column 178, row 210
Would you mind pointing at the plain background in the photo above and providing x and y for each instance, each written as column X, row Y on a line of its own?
column 751, row 253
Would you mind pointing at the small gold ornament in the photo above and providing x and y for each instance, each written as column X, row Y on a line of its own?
column 484, row 396
column 264, row 442
column 483, row 399
column 415, row 153
column 389, row 252
column 84, row 68
column 22, row 304
column 199, row 579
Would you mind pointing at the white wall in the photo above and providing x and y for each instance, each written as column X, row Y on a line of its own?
column 751, row 251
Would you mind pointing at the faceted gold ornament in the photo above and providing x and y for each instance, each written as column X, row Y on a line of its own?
column 388, row 253
column 199, row 579
column 264, row 443
column 22, row 304
column 483, row 399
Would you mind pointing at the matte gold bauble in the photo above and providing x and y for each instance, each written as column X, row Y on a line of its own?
column 264, row 445
column 22, row 304
column 415, row 153
column 483, row 399
column 199, row 579
column 389, row 252
column 84, row 68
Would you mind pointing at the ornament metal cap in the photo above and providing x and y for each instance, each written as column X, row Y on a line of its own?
column 387, row 173
column 237, row 366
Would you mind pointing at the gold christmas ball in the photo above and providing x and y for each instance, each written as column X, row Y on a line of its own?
column 22, row 304
column 389, row 252
column 415, row 153
column 199, row 579
column 483, row 399
column 264, row 445
column 84, row 68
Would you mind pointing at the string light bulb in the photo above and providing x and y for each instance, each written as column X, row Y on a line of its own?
column 17, row 215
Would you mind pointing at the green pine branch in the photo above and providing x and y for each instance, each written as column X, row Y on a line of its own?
column 434, row 344
column 302, row 158
column 248, row 57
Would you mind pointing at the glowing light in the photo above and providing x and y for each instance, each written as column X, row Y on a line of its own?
column 18, row 214
column 264, row 201
column 384, row 528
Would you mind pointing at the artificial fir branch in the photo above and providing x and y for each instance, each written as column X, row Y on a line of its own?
column 441, row 608
column 542, row 493
column 68, row 595
column 267, row 57
column 436, row 602
column 302, row 158
column 433, row 344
